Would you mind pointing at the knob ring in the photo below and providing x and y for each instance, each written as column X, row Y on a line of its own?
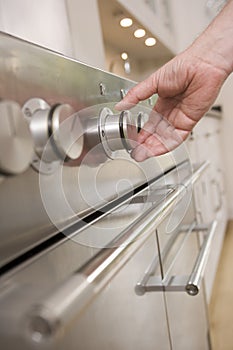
column 122, row 134
column 51, row 131
column 102, row 134
column 50, row 117
column 140, row 122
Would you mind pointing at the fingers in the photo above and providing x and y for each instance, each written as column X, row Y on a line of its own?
column 144, row 151
column 157, row 137
column 140, row 92
column 150, row 127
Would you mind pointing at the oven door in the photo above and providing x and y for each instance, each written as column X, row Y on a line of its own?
column 63, row 299
column 60, row 299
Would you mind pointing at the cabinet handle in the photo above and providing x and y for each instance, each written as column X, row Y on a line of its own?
column 193, row 285
column 50, row 315
column 190, row 284
column 219, row 194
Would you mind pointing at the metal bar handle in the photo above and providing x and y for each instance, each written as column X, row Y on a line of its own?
column 193, row 285
column 190, row 284
column 48, row 317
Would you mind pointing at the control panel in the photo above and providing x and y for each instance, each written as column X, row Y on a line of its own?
column 45, row 136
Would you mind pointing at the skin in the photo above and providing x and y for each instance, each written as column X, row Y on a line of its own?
column 187, row 86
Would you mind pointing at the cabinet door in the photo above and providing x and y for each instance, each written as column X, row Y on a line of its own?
column 208, row 147
column 186, row 314
column 210, row 193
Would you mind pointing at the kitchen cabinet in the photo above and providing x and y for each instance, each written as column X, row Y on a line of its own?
column 209, row 192
column 187, row 316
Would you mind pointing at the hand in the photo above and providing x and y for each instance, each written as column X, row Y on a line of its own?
column 187, row 87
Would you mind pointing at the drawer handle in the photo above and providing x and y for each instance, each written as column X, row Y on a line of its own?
column 193, row 285
column 190, row 284
column 219, row 204
column 51, row 314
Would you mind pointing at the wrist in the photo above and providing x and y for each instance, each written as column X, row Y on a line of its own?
column 215, row 50
column 215, row 44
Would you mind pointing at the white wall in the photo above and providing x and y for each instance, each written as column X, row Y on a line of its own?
column 71, row 27
column 86, row 32
column 42, row 22
column 189, row 19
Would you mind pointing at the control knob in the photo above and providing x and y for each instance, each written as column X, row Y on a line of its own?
column 56, row 130
column 16, row 144
column 119, row 131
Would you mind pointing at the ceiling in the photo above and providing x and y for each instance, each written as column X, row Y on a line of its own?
column 123, row 38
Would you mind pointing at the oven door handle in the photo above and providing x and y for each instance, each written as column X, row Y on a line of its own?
column 55, row 311
column 190, row 284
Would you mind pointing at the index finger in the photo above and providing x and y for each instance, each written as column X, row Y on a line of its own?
column 140, row 92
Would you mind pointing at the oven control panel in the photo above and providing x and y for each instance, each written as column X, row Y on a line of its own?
column 45, row 136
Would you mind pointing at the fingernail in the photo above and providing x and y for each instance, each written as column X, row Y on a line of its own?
column 139, row 154
column 119, row 105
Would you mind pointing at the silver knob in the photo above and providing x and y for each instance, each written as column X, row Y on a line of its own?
column 16, row 144
column 57, row 131
column 119, row 131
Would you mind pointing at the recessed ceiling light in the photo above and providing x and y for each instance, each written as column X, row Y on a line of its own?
column 124, row 56
column 127, row 67
column 126, row 22
column 150, row 41
column 139, row 33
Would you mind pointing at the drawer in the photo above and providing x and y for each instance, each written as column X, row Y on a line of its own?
column 182, row 261
column 173, row 234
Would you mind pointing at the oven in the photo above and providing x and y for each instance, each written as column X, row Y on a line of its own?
column 97, row 251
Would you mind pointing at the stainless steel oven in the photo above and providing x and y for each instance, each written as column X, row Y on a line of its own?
column 86, row 257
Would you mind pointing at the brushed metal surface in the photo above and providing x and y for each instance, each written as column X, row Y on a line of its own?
column 114, row 320
column 33, row 207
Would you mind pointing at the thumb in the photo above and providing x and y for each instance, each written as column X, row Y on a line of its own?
column 140, row 92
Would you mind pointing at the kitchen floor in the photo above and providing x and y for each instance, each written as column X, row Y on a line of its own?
column 221, row 305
